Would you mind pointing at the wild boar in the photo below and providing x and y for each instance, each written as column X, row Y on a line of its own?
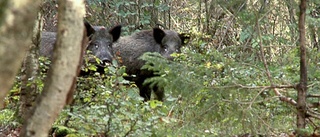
column 100, row 45
column 130, row 48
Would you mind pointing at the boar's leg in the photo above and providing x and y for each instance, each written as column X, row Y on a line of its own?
column 144, row 89
column 159, row 91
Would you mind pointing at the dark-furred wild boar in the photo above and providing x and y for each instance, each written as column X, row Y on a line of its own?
column 48, row 39
column 100, row 45
column 130, row 48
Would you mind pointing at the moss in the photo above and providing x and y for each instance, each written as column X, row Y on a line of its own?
column 7, row 118
column 3, row 7
column 62, row 131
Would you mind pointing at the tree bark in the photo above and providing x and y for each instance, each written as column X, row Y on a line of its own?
column 15, row 31
column 63, row 71
column 30, row 68
column 302, row 86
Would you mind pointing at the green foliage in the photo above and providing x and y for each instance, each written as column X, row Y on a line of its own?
column 127, row 11
column 106, row 105
column 217, row 90
column 62, row 131
column 7, row 118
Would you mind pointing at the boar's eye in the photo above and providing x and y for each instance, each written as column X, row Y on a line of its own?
column 165, row 47
column 110, row 45
column 96, row 46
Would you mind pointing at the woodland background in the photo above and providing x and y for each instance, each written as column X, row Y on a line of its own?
column 239, row 74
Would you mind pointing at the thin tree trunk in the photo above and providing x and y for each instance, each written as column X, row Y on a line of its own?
column 199, row 17
column 28, row 91
column 169, row 15
column 164, row 14
column 63, row 71
column 313, row 37
column 154, row 14
column 314, row 29
column 15, row 31
column 207, row 17
column 290, row 5
column 302, row 86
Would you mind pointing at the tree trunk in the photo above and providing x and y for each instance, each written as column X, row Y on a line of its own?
column 302, row 86
column 63, row 71
column 207, row 19
column 199, row 17
column 15, row 31
column 28, row 91
column 314, row 29
column 290, row 5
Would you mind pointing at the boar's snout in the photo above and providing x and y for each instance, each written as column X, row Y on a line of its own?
column 106, row 61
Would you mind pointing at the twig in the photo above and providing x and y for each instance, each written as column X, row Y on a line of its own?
column 313, row 96
column 266, row 87
column 314, row 105
column 312, row 113
column 131, row 128
column 256, row 87
column 256, row 97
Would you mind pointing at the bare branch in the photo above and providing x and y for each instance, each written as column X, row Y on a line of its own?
column 265, row 87
column 313, row 96
column 314, row 105
column 313, row 114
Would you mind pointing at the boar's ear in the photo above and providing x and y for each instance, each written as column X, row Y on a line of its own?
column 115, row 32
column 184, row 38
column 90, row 30
column 158, row 34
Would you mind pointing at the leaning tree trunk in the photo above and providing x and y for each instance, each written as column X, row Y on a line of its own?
column 16, row 21
column 302, row 86
column 63, row 71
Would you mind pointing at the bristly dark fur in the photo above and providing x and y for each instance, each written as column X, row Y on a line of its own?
column 130, row 48
column 100, row 45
